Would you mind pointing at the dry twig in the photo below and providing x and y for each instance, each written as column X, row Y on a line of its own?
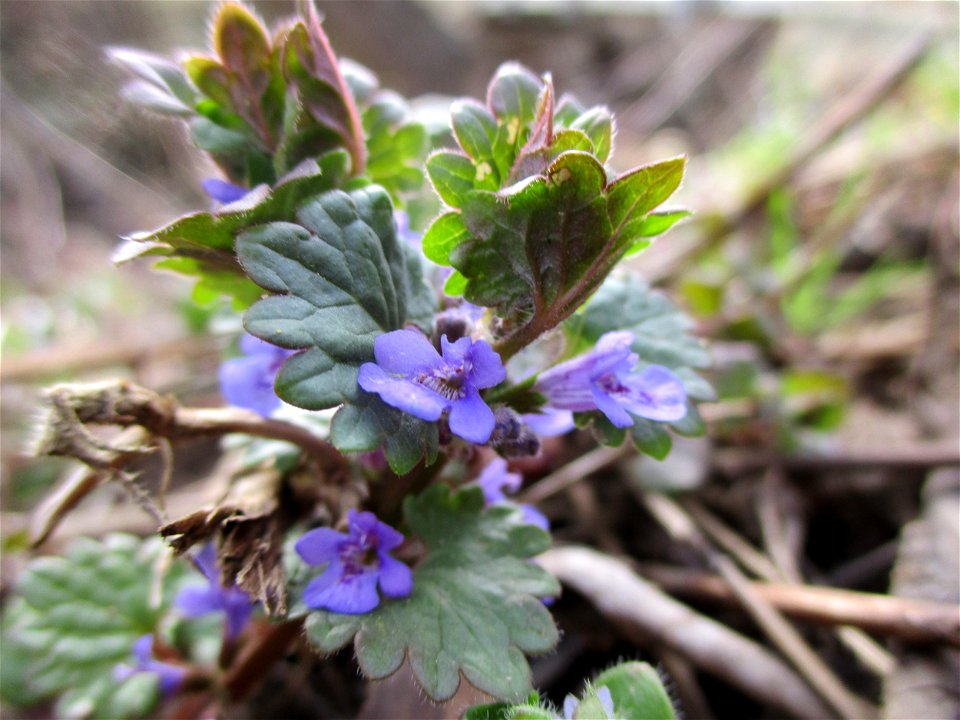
column 646, row 613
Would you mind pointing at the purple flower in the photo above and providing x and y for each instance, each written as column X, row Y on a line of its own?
column 494, row 479
column 604, row 379
column 170, row 676
column 410, row 375
column 571, row 704
column 356, row 562
column 549, row 421
column 247, row 381
column 222, row 191
column 236, row 605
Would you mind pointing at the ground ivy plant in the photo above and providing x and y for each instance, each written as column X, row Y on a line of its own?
column 419, row 309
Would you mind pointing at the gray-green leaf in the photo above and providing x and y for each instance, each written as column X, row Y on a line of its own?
column 474, row 608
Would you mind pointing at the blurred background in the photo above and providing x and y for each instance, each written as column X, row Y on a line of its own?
column 821, row 263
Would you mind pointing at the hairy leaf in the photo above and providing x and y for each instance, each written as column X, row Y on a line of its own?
column 339, row 278
column 312, row 68
column 474, row 608
column 78, row 616
column 636, row 690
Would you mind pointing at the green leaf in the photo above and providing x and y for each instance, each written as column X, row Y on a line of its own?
column 691, row 424
column 452, row 175
column 514, row 92
column 637, row 192
column 396, row 144
column 597, row 123
column 443, row 235
column 637, row 693
column 157, row 71
column 475, row 128
column 339, row 279
column 312, row 69
column 533, row 242
column 455, row 285
column 656, row 223
column 78, row 616
column 474, row 608
column 368, row 423
column 661, row 330
column 203, row 243
column 651, row 438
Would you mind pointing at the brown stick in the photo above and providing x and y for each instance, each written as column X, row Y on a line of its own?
column 647, row 613
column 919, row 621
column 919, row 456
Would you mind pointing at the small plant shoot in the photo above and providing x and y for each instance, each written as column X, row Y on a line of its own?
column 421, row 312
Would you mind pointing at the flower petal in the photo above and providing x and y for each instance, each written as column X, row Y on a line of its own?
column 606, row 700
column 403, row 394
column 495, row 479
column 396, row 579
column 199, row 600
column 247, row 382
column 320, row 545
column 488, row 368
column 656, row 394
column 550, row 421
column 223, row 191
column 239, row 608
column 347, row 594
column 532, row 516
column 611, row 408
column 206, row 560
column 403, row 352
column 143, row 648
column 471, row 418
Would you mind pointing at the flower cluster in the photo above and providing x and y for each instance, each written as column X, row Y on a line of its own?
column 606, row 380
column 247, row 381
column 213, row 597
column 411, row 375
column 357, row 561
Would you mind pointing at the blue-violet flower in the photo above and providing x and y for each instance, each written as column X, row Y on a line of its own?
column 194, row 601
column 604, row 379
column 410, row 375
column 170, row 676
column 356, row 562
column 494, row 480
column 247, row 381
column 222, row 191
column 550, row 421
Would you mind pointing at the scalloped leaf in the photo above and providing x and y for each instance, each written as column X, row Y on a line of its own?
column 368, row 423
column 529, row 246
column 203, row 243
column 339, row 278
column 474, row 608
column 77, row 616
